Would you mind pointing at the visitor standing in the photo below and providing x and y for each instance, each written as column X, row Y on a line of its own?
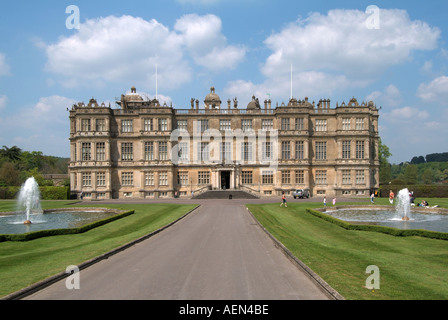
column 372, row 196
column 325, row 201
column 391, row 197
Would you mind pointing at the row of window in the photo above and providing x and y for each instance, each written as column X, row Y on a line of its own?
column 127, row 178
column 127, row 126
column 248, row 152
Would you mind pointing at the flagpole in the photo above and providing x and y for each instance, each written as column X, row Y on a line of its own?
column 291, row 80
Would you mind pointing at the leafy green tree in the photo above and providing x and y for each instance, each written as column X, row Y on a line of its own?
column 385, row 167
column 411, row 174
column 427, row 176
column 9, row 175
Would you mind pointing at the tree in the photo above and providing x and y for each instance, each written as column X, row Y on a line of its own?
column 428, row 176
column 411, row 174
column 418, row 160
column 385, row 167
column 9, row 176
column 13, row 154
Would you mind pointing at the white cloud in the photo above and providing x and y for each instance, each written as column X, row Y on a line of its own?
column 128, row 49
column 407, row 114
column 3, row 101
column 207, row 45
column 435, row 91
column 4, row 67
column 337, row 51
column 45, row 124
column 119, row 48
column 390, row 97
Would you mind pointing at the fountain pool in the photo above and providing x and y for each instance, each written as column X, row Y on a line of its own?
column 425, row 219
column 13, row 223
column 30, row 217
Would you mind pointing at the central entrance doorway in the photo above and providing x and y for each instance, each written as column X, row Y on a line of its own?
column 225, row 180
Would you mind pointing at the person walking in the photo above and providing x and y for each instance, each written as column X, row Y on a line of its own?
column 325, row 201
column 283, row 201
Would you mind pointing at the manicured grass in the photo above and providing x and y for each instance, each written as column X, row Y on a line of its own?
column 25, row 263
column 410, row 267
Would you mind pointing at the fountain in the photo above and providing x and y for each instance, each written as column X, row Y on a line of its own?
column 403, row 207
column 29, row 199
column 401, row 216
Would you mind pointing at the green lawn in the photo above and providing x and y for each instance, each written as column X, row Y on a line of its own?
column 410, row 267
column 25, row 263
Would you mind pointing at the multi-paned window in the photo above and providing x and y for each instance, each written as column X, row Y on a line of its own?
column 300, row 150
column 321, row 125
column 86, row 179
column 285, row 124
column 346, row 124
column 246, row 124
column 246, row 177
column 148, row 125
column 182, row 125
column 346, row 177
column 360, row 177
column 100, row 151
column 359, row 123
column 127, row 151
column 127, row 126
column 127, row 178
column 226, row 151
column 267, row 151
column 346, row 149
column 100, row 125
column 300, row 177
column 183, row 152
column 267, row 177
column 163, row 150
column 299, row 124
column 286, row 150
column 246, row 151
column 321, row 150
column 203, row 177
column 225, row 125
column 85, row 124
column 86, row 151
column 163, row 178
column 101, row 179
column 321, row 177
column 267, row 124
column 286, row 177
column 182, row 178
column 202, row 125
column 203, row 151
column 149, row 150
column 163, row 124
column 359, row 149
column 149, row 178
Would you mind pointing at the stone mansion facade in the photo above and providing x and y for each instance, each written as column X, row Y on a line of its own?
column 147, row 150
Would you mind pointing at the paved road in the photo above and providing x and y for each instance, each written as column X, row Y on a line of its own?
column 218, row 252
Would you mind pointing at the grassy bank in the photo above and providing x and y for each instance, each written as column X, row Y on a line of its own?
column 25, row 263
column 410, row 267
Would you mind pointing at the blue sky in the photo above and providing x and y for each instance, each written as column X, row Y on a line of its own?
column 338, row 50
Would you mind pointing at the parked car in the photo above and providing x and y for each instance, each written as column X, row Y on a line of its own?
column 301, row 193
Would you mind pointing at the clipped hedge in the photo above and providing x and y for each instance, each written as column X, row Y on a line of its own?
column 420, row 191
column 387, row 230
column 57, row 232
column 47, row 193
